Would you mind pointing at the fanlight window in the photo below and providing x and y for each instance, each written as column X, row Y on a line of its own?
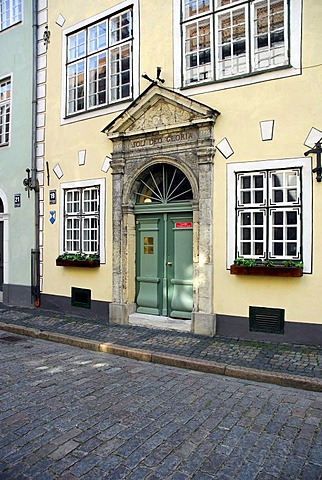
column 1, row 206
column 163, row 184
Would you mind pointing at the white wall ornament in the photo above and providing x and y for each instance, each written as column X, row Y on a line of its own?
column 106, row 164
column 81, row 157
column 58, row 171
column 267, row 129
column 60, row 20
column 313, row 137
column 224, row 147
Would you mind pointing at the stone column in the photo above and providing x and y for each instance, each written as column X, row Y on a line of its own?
column 118, row 309
column 203, row 319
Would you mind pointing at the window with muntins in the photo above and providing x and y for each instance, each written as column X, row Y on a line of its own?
column 269, row 214
column 81, row 220
column 99, row 64
column 10, row 13
column 5, row 101
column 223, row 39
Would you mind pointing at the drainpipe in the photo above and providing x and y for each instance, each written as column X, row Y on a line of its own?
column 35, row 252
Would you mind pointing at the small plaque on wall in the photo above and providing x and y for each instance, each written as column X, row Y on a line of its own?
column 52, row 197
column 17, row 200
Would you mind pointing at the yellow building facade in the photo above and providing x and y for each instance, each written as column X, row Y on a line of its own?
column 179, row 147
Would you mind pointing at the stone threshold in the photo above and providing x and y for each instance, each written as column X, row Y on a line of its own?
column 159, row 322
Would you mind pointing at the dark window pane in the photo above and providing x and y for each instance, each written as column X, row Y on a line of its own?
column 259, row 248
column 245, row 197
column 258, row 181
column 277, row 196
column 192, row 60
column 125, row 63
column 259, row 218
column 258, row 233
column 246, row 233
column 259, row 197
column 239, row 48
column 204, row 57
column 278, row 248
column 278, row 218
column 291, row 218
column 245, row 182
column 292, row 233
column 125, row 77
column 278, row 234
column 125, row 91
column 262, row 41
column 80, row 104
column 277, row 37
column 225, row 52
column 246, row 219
column 291, row 249
column 246, row 249
column 102, row 98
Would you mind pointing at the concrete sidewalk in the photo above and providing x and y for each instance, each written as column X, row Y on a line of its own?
column 296, row 366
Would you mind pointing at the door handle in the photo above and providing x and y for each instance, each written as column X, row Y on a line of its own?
column 169, row 264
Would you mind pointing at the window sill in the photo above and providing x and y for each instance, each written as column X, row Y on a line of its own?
column 278, row 271
column 77, row 263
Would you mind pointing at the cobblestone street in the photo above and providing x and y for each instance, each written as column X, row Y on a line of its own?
column 68, row 413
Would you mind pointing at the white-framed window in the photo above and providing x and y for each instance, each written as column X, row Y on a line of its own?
column 269, row 211
column 10, row 13
column 5, row 107
column 83, row 217
column 232, row 39
column 101, row 61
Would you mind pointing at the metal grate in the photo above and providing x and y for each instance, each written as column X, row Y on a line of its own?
column 81, row 297
column 267, row 320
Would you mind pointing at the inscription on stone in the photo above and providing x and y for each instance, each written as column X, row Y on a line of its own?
column 162, row 140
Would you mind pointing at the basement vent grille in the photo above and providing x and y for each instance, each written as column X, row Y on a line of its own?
column 266, row 320
column 81, row 297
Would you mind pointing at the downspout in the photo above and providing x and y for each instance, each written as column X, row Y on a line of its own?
column 35, row 252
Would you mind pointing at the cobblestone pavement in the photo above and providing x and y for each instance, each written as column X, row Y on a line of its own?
column 267, row 356
column 68, row 413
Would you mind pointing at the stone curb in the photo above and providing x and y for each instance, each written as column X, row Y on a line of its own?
column 282, row 379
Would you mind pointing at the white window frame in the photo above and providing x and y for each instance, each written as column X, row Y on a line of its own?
column 293, row 68
column 13, row 20
column 231, row 10
column 5, row 104
column 286, row 37
column 120, row 104
column 306, row 165
column 84, row 184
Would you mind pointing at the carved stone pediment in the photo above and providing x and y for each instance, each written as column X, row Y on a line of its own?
column 161, row 115
column 157, row 109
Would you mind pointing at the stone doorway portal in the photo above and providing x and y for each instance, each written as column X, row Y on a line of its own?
column 162, row 127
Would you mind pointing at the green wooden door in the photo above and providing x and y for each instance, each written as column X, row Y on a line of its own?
column 164, row 264
column 180, row 268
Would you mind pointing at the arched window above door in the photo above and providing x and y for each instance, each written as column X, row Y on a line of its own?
column 163, row 183
column 1, row 206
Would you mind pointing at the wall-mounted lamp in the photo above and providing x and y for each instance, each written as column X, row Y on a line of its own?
column 317, row 150
column 29, row 184
column 46, row 36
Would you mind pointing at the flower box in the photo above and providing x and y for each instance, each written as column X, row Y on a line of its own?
column 276, row 271
column 77, row 263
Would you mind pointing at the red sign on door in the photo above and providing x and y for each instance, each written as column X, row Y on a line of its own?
column 183, row 224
